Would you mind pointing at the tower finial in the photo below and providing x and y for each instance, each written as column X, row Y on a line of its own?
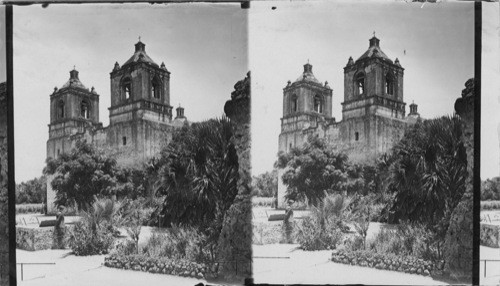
column 374, row 33
column 139, row 38
column 74, row 67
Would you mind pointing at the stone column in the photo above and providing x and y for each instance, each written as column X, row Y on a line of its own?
column 235, row 241
column 4, row 196
column 458, row 242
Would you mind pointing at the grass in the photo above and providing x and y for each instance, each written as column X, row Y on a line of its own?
column 28, row 208
column 490, row 205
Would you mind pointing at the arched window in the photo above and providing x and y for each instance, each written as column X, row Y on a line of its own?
column 389, row 83
column 60, row 109
column 360, row 83
column 356, row 136
column 155, row 89
column 318, row 104
column 293, row 104
column 85, row 110
column 127, row 88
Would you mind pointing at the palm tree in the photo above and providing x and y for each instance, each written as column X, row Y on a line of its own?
column 199, row 177
column 428, row 174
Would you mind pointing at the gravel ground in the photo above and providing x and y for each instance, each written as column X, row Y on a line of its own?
column 87, row 270
column 285, row 264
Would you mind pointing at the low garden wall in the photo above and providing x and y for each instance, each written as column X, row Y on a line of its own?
column 490, row 235
column 35, row 238
column 388, row 262
column 267, row 232
column 158, row 265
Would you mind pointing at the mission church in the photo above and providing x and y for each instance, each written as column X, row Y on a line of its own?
column 373, row 112
column 140, row 115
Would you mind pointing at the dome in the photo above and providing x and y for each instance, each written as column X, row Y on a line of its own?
column 74, row 81
column 140, row 55
column 374, row 51
column 308, row 75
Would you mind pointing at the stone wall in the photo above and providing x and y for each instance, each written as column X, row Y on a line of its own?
column 490, row 235
column 4, row 198
column 235, row 241
column 36, row 238
column 459, row 237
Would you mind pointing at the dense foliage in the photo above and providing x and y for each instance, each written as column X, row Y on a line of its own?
column 32, row 191
column 325, row 226
column 198, row 173
column 266, row 184
column 428, row 172
column 490, row 189
column 316, row 169
column 87, row 173
column 81, row 175
column 95, row 233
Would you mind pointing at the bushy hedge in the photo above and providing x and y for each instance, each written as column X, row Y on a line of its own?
column 29, row 208
column 407, row 264
column 161, row 265
column 84, row 241
column 178, row 243
column 490, row 205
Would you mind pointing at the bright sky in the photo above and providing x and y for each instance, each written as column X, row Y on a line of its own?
column 490, row 87
column 204, row 46
column 438, row 40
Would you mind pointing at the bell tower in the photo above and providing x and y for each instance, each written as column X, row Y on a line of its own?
column 140, row 115
column 72, row 108
column 306, row 101
column 373, row 111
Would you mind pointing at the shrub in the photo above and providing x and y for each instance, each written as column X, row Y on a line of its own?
column 84, row 240
column 408, row 239
column 490, row 205
column 326, row 224
column 29, row 208
column 178, row 243
column 263, row 202
column 354, row 243
column 95, row 232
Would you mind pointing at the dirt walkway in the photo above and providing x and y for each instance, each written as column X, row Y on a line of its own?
column 292, row 266
column 84, row 271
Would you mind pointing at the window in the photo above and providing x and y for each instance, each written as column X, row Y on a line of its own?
column 85, row 110
column 389, row 84
column 155, row 89
column 293, row 104
column 60, row 109
column 360, row 83
column 318, row 104
column 58, row 152
column 356, row 136
column 124, row 140
column 127, row 88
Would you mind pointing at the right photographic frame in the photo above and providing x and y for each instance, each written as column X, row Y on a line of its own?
column 362, row 141
column 489, row 252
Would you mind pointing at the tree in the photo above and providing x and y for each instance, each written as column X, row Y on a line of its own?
column 313, row 170
column 490, row 189
column 32, row 191
column 428, row 172
column 266, row 184
column 198, row 177
column 82, row 175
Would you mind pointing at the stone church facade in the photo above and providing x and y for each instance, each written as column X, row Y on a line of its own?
column 373, row 111
column 140, row 115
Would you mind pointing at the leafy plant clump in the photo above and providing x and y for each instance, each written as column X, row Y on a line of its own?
column 95, row 233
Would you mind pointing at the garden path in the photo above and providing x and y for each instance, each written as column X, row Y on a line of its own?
column 315, row 267
column 492, row 268
column 84, row 271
